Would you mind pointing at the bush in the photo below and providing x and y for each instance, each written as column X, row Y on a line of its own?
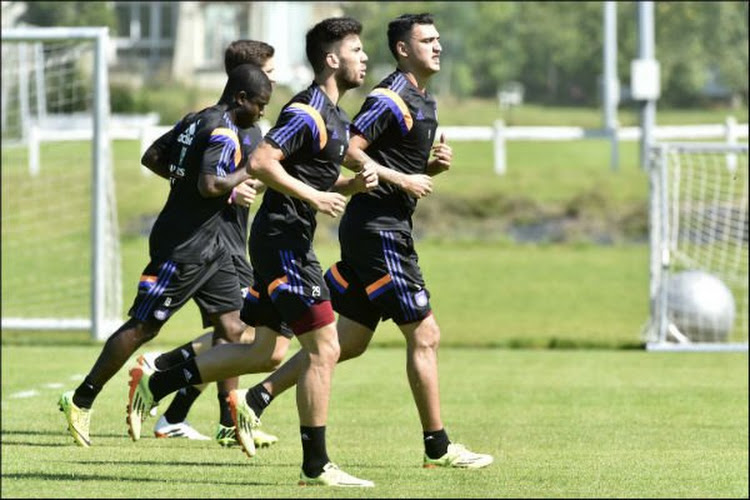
column 124, row 99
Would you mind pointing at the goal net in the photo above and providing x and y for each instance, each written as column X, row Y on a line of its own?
column 699, row 247
column 60, row 247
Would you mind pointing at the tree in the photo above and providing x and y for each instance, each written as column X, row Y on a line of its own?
column 70, row 14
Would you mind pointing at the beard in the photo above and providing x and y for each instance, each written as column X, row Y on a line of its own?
column 349, row 80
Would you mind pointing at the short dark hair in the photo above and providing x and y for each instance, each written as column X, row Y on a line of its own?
column 400, row 28
column 323, row 35
column 247, row 77
column 246, row 52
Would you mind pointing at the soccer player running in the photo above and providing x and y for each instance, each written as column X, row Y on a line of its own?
column 299, row 160
column 233, row 230
column 378, row 276
column 188, row 259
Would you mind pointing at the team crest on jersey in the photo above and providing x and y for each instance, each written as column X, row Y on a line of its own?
column 420, row 115
column 161, row 314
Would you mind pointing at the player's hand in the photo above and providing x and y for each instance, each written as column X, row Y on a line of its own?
column 366, row 179
column 329, row 203
column 442, row 155
column 243, row 193
column 417, row 185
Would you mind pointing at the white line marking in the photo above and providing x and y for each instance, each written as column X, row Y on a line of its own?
column 24, row 394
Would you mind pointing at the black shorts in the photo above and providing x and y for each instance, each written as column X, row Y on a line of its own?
column 165, row 286
column 378, row 278
column 288, row 285
column 244, row 273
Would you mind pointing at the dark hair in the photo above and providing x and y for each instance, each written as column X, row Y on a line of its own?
column 246, row 52
column 323, row 35
column 247, row 77
column 400, row 28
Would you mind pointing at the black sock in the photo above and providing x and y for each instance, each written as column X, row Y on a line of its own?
column 175, row 357
column 225, row 414
column 86, row 393
column 169, row 381
column 436, row 443
column 180, row 405
column 314, row 455
column 258, row 398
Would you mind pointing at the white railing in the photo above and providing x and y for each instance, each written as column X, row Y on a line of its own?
column 146, row 132
column 499, row 134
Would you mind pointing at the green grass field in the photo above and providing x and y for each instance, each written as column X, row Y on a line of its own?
column 587, row 423
column 540, row 350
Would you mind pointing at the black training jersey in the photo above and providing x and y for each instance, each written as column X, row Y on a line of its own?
column 233, row 229
column 313, row 134
column 206, row 142
column 399, row 122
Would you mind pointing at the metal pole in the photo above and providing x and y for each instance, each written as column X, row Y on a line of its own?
column 646, row 51
column 655, row 224
column 23, row 90
column 100, row 152
column 610, row 84
column 41, row 87
column 663, row 246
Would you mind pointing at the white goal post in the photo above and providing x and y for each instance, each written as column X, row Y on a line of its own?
column 699, row 247
column 60, row 243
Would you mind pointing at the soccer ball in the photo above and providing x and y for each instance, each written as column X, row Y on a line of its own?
column 701, row 306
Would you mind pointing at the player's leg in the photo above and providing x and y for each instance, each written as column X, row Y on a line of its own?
column 214, row 289
column 353, row 341
column 76, row 404
column 220, row 362
column 178, row 355
column 353, row 336
column 320, row 353
column 173, row 422
column 422, row 341
column 149, row 312
column 293, row 290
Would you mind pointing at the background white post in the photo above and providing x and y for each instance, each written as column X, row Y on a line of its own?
column 731, row 137
column 499, row 147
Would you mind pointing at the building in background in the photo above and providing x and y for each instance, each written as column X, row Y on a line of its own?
column 185, row 41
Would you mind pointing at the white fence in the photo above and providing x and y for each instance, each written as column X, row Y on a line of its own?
column 499, row 134
column 146, row 132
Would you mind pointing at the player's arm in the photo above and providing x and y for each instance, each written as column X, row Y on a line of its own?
column 417, row 185
column 156, row 157
column 265, row 164
column 221, row 168
column 442, row 155
column 244, row 193
column 366, row 179
column 211, row 186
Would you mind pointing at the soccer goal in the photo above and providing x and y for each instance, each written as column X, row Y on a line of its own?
column 60, row 244
column 699, row 247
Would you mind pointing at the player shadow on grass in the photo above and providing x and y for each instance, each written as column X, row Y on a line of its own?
column 120, row 479
column 30, row 443
column 242, row 462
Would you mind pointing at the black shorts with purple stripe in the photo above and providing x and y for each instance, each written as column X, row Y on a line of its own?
column 378, row 278
column 165, row 286
column 288, row 285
